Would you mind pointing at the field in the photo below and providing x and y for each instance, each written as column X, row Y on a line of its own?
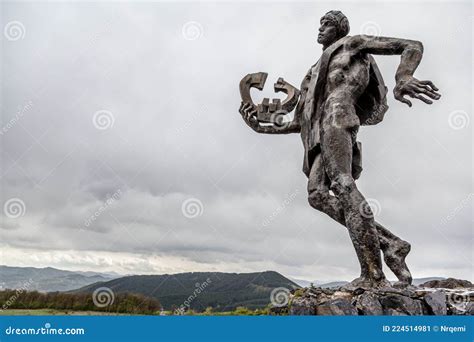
column 52, row 312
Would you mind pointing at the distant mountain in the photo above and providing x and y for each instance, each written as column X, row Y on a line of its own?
column 111, row 275
column 300, row 282
column 420, row 281
column 333, row 284
column 221, row 291
column 47, row 279
column 339, row 283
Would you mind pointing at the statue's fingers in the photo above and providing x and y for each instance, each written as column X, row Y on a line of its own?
column 241, row 108
column 428, row 92
column 430, row 84
column 243, row 113
column 424, row 86
column 248, row 109
column 400, row 98
column 246, row 113
column 420, row 97
column 429, row 89
column 434, row 95
column 247, row 106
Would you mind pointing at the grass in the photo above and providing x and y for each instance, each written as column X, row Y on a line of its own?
column 240, row 311
column 52, row 312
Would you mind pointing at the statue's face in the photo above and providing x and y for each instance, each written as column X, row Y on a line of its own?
column 327, row 32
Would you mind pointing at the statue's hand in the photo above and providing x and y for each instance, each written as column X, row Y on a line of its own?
column 415, row 88
column 249, row 114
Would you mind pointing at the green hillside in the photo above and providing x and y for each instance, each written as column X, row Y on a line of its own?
column 221, row 291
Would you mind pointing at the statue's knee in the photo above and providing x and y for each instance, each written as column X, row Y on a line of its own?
column 316, row 199
column 342, row 185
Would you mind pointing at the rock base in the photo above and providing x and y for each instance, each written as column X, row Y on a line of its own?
column 384, row 301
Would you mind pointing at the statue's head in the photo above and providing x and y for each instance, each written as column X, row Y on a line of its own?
column 334, row 25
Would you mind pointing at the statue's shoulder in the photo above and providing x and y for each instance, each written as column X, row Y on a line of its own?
column 355, row 42
column 346, row 43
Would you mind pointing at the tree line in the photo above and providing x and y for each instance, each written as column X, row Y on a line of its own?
column 122, row 303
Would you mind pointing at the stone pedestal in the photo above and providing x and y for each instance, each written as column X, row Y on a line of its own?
column 384, row 301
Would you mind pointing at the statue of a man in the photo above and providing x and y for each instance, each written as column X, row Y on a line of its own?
column 342, row 91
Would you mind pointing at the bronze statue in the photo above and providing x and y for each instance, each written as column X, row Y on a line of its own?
column 342, row 91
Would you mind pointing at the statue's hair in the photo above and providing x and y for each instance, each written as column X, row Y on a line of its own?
column 339, row 20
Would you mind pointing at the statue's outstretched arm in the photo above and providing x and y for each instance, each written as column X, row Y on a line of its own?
column 411, row 52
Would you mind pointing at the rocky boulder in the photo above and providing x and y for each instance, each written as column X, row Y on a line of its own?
column 450, row 283
column 389, row 301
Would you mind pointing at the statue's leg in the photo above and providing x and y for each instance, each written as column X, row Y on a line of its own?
column 336, row 147
column 394, row 249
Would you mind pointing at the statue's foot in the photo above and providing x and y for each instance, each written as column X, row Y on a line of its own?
column 369, row 283
column 394, row 257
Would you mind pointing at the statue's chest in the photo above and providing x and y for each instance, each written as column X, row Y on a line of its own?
column 340, row 60
column 339, row 66
column 346, row 68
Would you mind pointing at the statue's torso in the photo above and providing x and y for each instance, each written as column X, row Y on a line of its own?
column 344, row 73
column 348, row 71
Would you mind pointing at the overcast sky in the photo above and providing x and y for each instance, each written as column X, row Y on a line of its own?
column 123, row 149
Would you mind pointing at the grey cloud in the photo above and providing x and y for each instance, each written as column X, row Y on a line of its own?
column 176, row 134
